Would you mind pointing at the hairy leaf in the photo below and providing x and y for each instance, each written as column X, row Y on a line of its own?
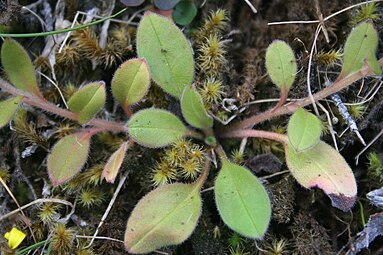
column 323, row 167
column 184, row 12
column 304, row 130
column 18, row 67
column 8, row 108
column 281, row 64
column 155, row 128
column 242, row 201
column 194, row 110
column 165, row 216
column 131, row 82
column 88, row 101
column 68, row 156
column 167, row 52
column 361, row 47
column 114, row 163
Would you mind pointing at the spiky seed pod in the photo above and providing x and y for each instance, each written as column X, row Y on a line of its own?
column 62, row 239
column 197, row 153
column 48, row 212
column 211, row 57
column 365, row 13
column 39, row 230
column 87, row 41
column 216, row 22
column 237, row 156
column 212, row 91
column 278, row 247
column 329, row 58
column 163, row 173
column 183, row 146
column 64, row 129
column 68, row 57
column 173, row 156
column 356, row 111
column 26, row 131
column 90, row 197
column 190, row 169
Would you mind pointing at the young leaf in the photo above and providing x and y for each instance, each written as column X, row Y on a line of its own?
column 361, row 47
column 8, row 108
column 323, row 167
column 304, row 130
column 242, row 201
column 18, row 67
column 193, row 109
column 155, row 128
column 165, row 216
column 68, row 156
column 184, row 12
column 167, row 52
column 114, row 163
column 131, row 82
column 88, row 101
column 281, row 64
column 165, row 4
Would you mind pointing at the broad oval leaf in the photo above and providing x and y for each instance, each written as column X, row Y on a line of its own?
column 242, row 201
column 323, row 167
column 167, row 52
column 304, row 130
column 165, row 4
column 8, row 108
column 281, row 64
column 114, row 163
column 88, row 101
column 132, row 3
column 18, row 67
column 131, row 82
column 360, row 47
column 155, row 128
column 194, row 110
column 184, row 12
column 165, row 216
column 68, row 156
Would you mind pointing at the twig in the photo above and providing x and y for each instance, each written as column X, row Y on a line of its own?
column 106, row 213
column 367, row 146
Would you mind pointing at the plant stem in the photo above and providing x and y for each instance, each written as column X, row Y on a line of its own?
column 256, row 133
column 52, row 108
column 292, row 107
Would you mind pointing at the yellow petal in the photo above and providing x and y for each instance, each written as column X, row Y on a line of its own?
column 14, row 237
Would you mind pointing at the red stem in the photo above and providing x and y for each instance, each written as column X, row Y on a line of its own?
column 256, row 133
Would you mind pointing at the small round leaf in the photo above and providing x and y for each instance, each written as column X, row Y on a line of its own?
column 242, row 201
column 194, row 110
column 184, row 12
column 155, row 128
column 304, row 130
column 131, row 82
column 165, row 4
column 8, row 108
column 88, row 101
column 132, row 3
column 166, row 216
column 281, row 64
column 323, row 167
column 67, row 157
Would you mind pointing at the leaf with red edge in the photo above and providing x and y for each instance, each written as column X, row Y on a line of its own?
column 114, row 163
column 323, row 167
column 68, row 156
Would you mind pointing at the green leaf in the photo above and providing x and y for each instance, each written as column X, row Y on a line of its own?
column 167, row 52
column 68, row 156
column 281, row 64
column 165, row 4
column 184, row 12
column 242, row 201
column 194, row 110
column 155, row 128
column 165, row 216
column 114, row 163
column 304, row 130
column 8, row 108
column 360, row 47
column 18, row 67
column 323, row 167
column 88, row 101
column 131, row 82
